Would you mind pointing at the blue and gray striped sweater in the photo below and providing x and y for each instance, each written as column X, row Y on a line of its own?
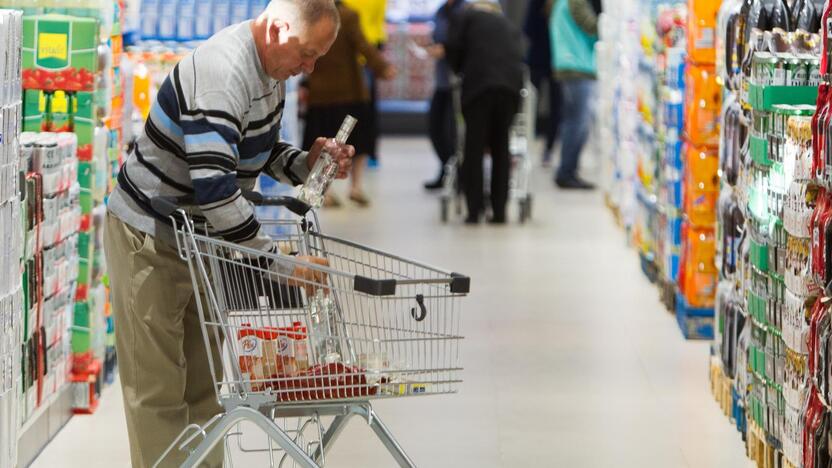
column 211, row 131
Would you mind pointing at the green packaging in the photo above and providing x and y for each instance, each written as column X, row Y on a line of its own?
column 35, row 111
column 60, row 52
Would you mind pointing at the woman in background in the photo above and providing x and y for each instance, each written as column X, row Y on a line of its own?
column 337, row 88
column 373, row 17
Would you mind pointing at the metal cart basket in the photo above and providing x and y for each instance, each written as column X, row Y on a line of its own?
column 370, row 325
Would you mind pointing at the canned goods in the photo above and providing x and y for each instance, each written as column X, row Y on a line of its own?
column 764, row 65
column 795, row 71
column 812, row 70
column 779, row 65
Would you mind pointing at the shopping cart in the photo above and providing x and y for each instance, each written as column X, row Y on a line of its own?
column 373, row 326
column 521, row 135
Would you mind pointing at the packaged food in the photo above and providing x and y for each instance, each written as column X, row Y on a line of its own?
column 269, row 353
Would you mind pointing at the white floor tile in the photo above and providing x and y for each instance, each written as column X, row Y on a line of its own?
column 570, row 359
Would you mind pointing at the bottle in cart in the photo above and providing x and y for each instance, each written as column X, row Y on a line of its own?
column 322, row 332
column 326, row 167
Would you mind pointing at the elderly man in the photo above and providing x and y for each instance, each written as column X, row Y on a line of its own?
column 211, row 132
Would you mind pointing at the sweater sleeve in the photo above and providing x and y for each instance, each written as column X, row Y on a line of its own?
column 584, row 16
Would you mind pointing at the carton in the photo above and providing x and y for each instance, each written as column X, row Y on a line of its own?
column 60, row 52
column 83, row 123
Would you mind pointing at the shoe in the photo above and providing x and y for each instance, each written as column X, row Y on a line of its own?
column 435, row 184
column 471, row 220
column 331, row 201
column 575, row 183
column 497, row 220
column 360, row 198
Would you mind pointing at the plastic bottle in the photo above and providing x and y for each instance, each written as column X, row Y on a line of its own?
column 222, row 14
column 185, row 17
column 141, row 90
column 326, row 167
column 203, row 23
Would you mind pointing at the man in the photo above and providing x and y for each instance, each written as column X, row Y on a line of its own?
column 486, row 48
column 574, row 29
column 539, row 59
column 212, row 130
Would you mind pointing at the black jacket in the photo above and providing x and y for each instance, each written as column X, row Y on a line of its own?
column 487, row 49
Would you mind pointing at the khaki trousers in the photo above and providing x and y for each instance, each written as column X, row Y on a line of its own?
column 164, row 371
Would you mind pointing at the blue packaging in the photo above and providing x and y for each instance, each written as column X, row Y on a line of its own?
column 185, row 20
column 257, row 7
column 239, row 11
column 222, row 15
column 167, row 20
column 203, row 21
column 149, row 14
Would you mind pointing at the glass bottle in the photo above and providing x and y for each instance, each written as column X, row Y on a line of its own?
column 326, row 167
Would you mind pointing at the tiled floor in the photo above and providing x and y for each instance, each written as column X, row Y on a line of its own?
column 570, row 359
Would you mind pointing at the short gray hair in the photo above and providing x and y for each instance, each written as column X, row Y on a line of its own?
column 310, row 11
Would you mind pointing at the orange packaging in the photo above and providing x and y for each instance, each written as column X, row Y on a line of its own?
column 703, row 97
column 701, row 190
column 267, row 353
column 698, row 278
column 702, row 30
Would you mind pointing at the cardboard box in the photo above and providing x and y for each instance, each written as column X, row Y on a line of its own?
column 83, row 123
column 60, row 52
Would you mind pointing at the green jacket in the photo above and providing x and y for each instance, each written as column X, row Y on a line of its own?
column 573, row 26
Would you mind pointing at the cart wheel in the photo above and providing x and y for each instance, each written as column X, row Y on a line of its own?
column 444, row 202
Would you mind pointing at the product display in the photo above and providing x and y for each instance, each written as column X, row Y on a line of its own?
column 11, row 288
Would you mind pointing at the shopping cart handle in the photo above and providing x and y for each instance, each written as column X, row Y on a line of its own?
column 167, row 206
column 290, row 203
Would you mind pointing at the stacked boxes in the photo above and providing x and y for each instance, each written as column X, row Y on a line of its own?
column 670, row 129
column 11, row 293
column 51, row 271
column 697, row 279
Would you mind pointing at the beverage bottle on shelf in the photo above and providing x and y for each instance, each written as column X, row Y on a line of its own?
column 779, row 16
column 326, row 167
column 701, row 30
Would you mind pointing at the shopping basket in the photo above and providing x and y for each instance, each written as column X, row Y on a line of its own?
column 372, row 326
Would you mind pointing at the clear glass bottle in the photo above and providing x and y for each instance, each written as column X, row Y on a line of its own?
column 322, row 332
column 326, row 167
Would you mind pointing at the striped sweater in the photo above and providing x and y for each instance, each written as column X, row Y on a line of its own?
column 211, row 131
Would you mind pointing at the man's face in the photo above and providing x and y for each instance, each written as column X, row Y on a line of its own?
column 291, row 53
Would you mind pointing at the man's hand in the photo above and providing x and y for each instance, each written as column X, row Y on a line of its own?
column 436, row 51
column 308, row 277
column 342, row 153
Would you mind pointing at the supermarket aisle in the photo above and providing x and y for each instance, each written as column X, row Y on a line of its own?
column 570, row 359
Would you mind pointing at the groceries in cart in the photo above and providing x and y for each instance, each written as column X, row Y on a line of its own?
column 325, row 168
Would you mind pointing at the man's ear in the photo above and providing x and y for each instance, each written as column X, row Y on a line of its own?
column 277, row 31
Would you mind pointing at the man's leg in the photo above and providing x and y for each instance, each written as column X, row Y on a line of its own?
column 151, row 289
column 502, row 116
column 476, row 131
column 200, row 395
column 574, row 126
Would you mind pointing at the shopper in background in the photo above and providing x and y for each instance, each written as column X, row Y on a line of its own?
column 486, row 48
column 539, row 59
column 212, row 130
column 373, row 16
column 574, row 30
column 441, row 118
column 336, row 89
